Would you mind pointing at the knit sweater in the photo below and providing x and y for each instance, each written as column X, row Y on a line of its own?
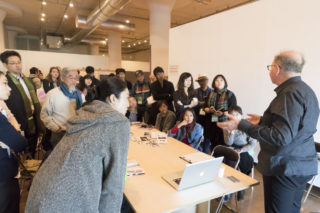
column 86, row 170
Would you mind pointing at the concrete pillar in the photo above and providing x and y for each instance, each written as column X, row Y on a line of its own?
column 160, row 21
column 12, row 39
column 94, row 49
column 114, row 49
column 3, row 14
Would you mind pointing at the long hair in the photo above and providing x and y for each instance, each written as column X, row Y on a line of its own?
column 49, row 76
column 82, row 84
column 192, row 125
column 215, row 78
column 180, row 85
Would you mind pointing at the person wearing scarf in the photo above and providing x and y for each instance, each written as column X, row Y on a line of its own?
column 61, row 104
column 219, row 100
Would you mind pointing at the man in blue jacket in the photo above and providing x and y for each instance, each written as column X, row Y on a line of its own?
column 287, row 159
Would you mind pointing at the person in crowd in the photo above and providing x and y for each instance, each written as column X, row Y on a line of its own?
column 185, row 96
column 202, row 93
column 166, row 119
column 41, row 94
column 91, row 159
column 86, row 87
column 141, row 91
column 10, row 138
column 219, row 101
column 161, row 89
column 34, row 72
column 288, row 158
column 23, row 101
column 52, row 80
column 152, row 78
column 188, row 130
column 132, row 112
column 90, row 71
column 61, row 104
column 242, row 143
column 121, row 73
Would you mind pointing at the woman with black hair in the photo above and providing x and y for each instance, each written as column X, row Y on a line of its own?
column 219, row 101
column 86, row 170
column 87, row 88
column 187, row 130
column 185, row 96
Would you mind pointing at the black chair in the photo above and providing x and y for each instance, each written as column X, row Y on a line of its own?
column 232, row 159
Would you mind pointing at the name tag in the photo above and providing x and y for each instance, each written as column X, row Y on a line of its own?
column 139, row 100
column 202, row 112
column 214, row 118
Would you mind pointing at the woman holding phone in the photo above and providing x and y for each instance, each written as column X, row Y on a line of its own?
column 219, row 101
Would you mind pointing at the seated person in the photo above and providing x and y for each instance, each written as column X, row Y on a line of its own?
column 132, row 112
column 242, row 143
column 188, row 131
column 165, row 118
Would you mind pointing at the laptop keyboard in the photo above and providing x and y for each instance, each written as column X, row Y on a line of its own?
column 177, row 180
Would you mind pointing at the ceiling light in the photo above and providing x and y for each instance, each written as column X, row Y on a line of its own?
column 129, row 45
column 43, row 14
column 134, row 44
column 123, row 41
column 106, row 39
column 70, row 4
column 44, row 3
column 65, row 16
column 42, row 19
column 127, row 21
column 139, row 42
column 121, row 26
column 145, row 41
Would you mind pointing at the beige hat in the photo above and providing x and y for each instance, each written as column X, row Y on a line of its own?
column 202, row 77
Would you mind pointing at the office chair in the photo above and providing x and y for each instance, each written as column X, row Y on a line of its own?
column 232, row 159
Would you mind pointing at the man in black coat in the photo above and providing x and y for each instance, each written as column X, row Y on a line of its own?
column 23, row 101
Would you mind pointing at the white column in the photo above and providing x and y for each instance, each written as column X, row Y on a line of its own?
column 2, row 35
column 12, row 39
column 160, row 21
column 94, row 49
column 114, row 49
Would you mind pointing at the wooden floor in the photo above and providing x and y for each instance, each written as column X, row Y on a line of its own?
column 253, row 202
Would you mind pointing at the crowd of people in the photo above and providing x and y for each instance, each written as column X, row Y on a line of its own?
column 80, row 120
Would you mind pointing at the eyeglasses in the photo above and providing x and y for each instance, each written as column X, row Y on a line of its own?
column 269, row 67
column 15, row 63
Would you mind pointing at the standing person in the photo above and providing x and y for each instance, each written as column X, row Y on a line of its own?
column 187, row 130
column 86, row 171
column 90, row 71
column 52, row 80
column 202, row 94
column 141, row 91
column 219, row 100
column 61, row 104
column 288, row 158
column 23, row 101
column 161, row 89
column 87, row 88
column 34, row 72
column 10, row 138
column 166, row 119
column 121, row 73
column 185, row 96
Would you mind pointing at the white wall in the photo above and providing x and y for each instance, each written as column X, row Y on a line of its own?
column 240, row 43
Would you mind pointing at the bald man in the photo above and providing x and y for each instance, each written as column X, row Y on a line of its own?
column 287, row 159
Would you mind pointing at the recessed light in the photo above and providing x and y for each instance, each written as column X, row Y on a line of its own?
column 106, row 39
column 65, row 16
column 129, row 45
column 145, row 41
column 127, row 21
column 123, row 41
column 43, row 14
column 44, row 3
column 134, row 44
column 70, row 4
column 42, row 19
column 139, row 42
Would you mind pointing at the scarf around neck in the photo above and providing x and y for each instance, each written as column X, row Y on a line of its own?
column 72, row 95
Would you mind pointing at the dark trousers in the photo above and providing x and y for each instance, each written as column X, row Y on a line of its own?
column 9, row 196
column 32, row 144
column 283, row 193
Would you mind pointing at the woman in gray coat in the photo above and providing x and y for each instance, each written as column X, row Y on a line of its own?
column 86, row 170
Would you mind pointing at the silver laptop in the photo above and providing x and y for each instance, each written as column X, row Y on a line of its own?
column 194, row 174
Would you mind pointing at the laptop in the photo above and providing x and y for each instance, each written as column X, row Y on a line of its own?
column 194, row 174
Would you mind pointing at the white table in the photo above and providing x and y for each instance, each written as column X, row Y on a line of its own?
column 149, row 193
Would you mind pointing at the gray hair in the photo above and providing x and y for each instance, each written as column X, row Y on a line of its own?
column 65, row 71
column 290, row 63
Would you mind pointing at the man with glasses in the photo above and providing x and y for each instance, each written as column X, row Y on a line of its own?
column 23, row 101
column 287, row 159
column 61, row 104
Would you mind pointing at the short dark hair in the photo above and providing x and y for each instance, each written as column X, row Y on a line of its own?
column 8, row 53
column 160, row 102
column 235, row 108
column 33, row 70
column 157, row 70
column 288, row 63
column 215, row 78
column 89, row 69
column 109, row 86
column 120, row 70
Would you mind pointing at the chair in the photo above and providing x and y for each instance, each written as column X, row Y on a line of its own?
column 232, row 159
column 200, row 142
column 317, row 145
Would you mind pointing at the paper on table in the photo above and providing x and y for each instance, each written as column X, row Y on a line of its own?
column 131, row 163
column 136, row 170
column 196, row 157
